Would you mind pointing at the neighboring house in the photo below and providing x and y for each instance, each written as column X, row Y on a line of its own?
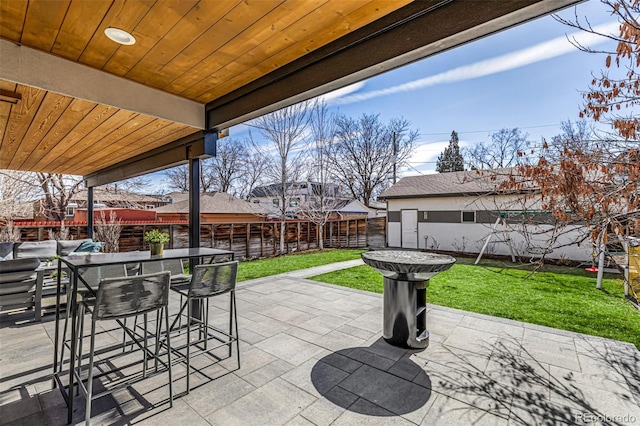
column 458, row 211
column 297, row 192
column 107, row 197
column 379, row 209
column 216, row 207
column 351, row 209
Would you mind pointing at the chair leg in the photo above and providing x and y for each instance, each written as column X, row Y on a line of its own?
column 235, row 315
column 205, row 318
column 188, row 345
column 230, row 321
column 158, row 331
column 64, row 327
column 80, row 329
column 124, row 336
column 168, row 355
column 145, row 359
column 87, row 415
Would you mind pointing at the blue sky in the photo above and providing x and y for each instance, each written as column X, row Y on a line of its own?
column 528, row 77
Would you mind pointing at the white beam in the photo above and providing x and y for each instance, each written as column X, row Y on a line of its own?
column 42, row 70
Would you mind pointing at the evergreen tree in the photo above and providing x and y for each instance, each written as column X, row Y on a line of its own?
column 451, row 159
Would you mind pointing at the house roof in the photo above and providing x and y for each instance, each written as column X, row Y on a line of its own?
column 89, row 104
column 447, row 184
column 115, row 196
column 218, row 202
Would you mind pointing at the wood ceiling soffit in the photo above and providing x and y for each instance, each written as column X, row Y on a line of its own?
column 119, row 147
column 159, row 137
column 42, row 23
column 173, row 43
column 20, row 119
column 161, row 19
column 290, row 43
column 12, row 15
column 74, row 113
column 98, row 139
column 179, row 70
column 52, row 107
column 80, row 24
column 88, row 123
column 264, row 32
column 121, row 14
column 241, row 71
column 5, row 109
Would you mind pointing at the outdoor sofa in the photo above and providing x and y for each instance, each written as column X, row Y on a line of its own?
column 24, row 279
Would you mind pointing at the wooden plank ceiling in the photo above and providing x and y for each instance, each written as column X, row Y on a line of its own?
column 199, row 50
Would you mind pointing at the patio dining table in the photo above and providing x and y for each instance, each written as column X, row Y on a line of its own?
column 76, row 263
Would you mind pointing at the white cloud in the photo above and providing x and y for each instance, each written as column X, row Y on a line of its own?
column 331, row 97
column 539, row 52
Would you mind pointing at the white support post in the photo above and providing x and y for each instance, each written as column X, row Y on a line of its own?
column 486, row 243
column 507, row 236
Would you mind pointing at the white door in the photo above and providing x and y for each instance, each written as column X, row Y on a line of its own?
column 409, row 221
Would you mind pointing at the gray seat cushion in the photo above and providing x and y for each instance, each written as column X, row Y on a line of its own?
column 18, row 276
column 42, row 250
column 19, row 265
column 66, row 247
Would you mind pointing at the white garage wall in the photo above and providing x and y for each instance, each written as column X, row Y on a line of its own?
column 469, row 237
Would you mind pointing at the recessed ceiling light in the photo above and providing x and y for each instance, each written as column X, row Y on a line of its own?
column 120, row 36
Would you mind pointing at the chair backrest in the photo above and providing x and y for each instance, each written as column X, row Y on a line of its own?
column 172, row 265
column 210, row 280
column 93, row 275
column 128, row 296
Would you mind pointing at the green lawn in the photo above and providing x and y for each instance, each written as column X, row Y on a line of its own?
column 559, row 297
column 292, row 262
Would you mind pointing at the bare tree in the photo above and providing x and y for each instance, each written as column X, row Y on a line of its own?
column 596, row 180
column 228, row 164
column 284, row 132
column 18, row 190
column 58, row 192
column 178, row 177
column 108, row 232
column 318, row 207
column 253, row 171
column 365, row 152
column 506, row 149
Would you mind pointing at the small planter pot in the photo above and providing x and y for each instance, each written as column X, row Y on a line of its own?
column 157, row 249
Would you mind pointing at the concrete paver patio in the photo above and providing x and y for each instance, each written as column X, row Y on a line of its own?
column 313, row 354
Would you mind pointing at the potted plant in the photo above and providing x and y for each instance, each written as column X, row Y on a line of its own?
column 156, row 240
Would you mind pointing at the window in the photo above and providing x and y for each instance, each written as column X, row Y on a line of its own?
column 276, row 202
column 293, row 202
column 469, row 217
column 70, row 211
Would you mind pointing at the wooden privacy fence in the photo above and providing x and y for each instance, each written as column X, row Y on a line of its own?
column 246, row 240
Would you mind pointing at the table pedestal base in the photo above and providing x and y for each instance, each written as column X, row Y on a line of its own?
column 405, row 313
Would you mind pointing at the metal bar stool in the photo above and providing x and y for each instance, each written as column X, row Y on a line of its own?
column 116, row 299
column 91, row 278
column 206, row 282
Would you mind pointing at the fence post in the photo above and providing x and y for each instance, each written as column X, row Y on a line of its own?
column 248, row 243
column 262, row 239
column 213, row 235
